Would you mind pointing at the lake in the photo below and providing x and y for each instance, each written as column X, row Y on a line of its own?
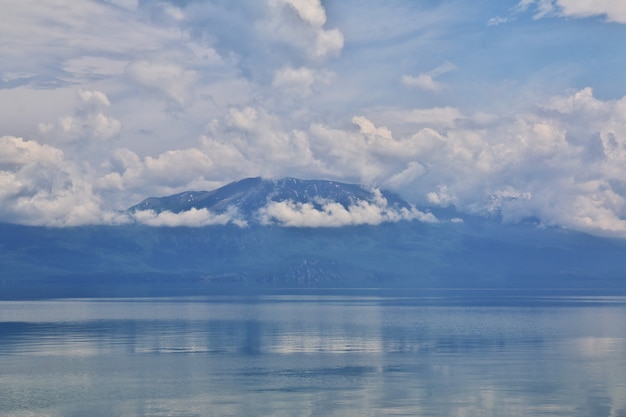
column 407, row 353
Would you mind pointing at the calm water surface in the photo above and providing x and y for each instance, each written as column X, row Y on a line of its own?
column 314, row 356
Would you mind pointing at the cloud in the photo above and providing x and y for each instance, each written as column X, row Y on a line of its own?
column 423, row 81
column 177, row 167
column 498, row 20
column 88, row 123
column 613, row 10
column 440, row 117
column 409, row 174
column 441, row 197
column 163, row 174
column 118, row 100
column 263, row 140
column 295, row 81
column 18, row 152
column 167, row 80
column 191, row 218
column 310, row 11
column 307, row 31
column 127, row 4
column 333, row 214
column 426, row 81
column 368, row 128
column 563, row 164
column 59, row 31
column 543, row 7
column 40, row 186
column 299, row 82
column 93, row 67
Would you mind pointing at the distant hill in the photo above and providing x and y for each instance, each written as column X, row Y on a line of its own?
column 137, row 259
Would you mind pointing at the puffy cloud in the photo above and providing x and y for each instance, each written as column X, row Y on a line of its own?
column 18, row 152
column 177, row 167
column 441, row 197
column 89, row 122
column 263, row 140
column 164, row 174
column 308, row 33
column 328, row 42
column 246, row 87
column 333, row 214
column 346, row 152
column 39, row 186
column 191, row 218
column 368, row 128
column 310, row 11
column 563, row 164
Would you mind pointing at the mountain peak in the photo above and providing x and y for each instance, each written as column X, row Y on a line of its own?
column 289, row 201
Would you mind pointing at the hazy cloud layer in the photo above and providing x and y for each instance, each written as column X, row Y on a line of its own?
column 612, row 10
column 107, row 102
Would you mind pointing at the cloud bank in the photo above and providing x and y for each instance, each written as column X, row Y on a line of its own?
column 191, row 218
column 106, row 103
column 333, row 214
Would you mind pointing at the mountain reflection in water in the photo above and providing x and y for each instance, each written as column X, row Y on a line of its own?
column 318, row 355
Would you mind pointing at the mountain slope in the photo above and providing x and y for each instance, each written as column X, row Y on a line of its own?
column 251, row 194
column 136, row 259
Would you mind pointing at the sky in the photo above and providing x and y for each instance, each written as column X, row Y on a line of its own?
column 494, row 106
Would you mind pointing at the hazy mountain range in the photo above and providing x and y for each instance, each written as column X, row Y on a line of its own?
column 292, row 233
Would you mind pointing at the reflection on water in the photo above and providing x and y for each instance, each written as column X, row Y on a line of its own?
column 313, row 356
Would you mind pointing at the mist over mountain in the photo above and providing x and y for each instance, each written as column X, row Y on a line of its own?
column 292, row 233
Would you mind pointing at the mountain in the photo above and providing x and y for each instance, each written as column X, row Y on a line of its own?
column 138, row 259
column 248, row 196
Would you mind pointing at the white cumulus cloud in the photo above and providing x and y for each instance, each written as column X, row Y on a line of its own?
column 118, row 100
column 40, row 186
column 307, row 32
column 190, row 218
column 333, row 214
